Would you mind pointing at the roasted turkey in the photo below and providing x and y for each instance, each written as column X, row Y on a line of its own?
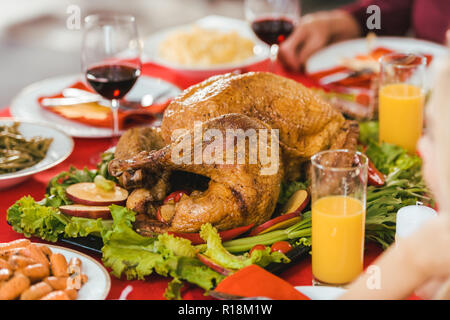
column 237, row 194
column 307, row 124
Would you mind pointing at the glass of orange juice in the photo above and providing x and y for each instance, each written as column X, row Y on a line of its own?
column 338, row 190
column 401, row 98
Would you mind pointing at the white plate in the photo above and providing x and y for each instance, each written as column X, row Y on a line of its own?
column 60, row 148
column 26, row 106
column 151, row 45
column 99, row 282
column 331, row 56
column 321, row 292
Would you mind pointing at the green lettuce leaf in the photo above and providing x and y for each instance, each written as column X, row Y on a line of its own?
column 102, row 166
column 46, row 222
column 216, row 251
column 128, row 253
column 368, row 131
column 56, row 188
column 32, row 219
column 82, row 227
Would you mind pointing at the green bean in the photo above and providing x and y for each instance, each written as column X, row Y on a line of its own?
column 18, row 152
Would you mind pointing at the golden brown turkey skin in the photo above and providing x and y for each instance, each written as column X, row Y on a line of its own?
column 238, row 194
column 307, row 124
column 149, row 188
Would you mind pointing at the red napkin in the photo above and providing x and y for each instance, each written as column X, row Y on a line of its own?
column 254, row 281
column 100, row 116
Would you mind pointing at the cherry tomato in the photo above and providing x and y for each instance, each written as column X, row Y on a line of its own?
column 257, row 247
column 281, row 246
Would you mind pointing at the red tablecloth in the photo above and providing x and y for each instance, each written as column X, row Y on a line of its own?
column 153, row 288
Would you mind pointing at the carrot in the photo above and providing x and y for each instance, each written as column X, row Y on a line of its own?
column 37, row 291
column 58, row 265
column 12, row 288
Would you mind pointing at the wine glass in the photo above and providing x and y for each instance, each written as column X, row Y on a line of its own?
column 272, row 21
column 110, row 58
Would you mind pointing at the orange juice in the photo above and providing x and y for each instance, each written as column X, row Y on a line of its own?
column 337, row 239
column 401, row 115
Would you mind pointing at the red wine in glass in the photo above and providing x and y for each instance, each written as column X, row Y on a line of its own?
column 112, row 81
column 273, row 30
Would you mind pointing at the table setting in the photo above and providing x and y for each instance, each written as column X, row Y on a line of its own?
column 107, row 196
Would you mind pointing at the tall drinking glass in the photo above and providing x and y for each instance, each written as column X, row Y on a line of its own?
column 339, row 182
column 401, row 99
column 272, row 21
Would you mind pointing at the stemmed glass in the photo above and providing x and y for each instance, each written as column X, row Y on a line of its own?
column 110, row 58
column 272, row 21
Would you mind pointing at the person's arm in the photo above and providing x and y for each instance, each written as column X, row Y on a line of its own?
column 317, row 30
column 407, row 265
column 395, row 16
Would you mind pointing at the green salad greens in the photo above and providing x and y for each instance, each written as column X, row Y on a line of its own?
column 130, row 255
column 46, row 222
column 134, row 256
column 216, row 251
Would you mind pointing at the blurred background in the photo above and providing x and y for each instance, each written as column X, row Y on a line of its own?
column 35, row 42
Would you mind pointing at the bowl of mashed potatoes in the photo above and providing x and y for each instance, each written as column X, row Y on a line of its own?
column 213, row 45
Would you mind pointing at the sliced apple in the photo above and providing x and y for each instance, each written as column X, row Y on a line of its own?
column 92, row 212
column 165, row 213
column 280, row 222
column 88, row 193
column 297, row 202
column 213, row 265
column 176, row 196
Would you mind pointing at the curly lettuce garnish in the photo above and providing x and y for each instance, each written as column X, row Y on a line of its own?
column 216, row 251
column 34, row 219
column 128, row 253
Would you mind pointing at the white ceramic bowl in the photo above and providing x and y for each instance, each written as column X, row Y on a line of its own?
column 60, row 148
column 261, row 51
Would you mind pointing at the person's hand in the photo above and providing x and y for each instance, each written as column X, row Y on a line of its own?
column 314, row 32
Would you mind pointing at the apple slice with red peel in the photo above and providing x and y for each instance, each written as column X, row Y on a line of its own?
column 88, row 193
column 165, row 213
column 92, row 212
column 280, row 222
column 175, row 196
column 297, row 202
column 213, row 265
